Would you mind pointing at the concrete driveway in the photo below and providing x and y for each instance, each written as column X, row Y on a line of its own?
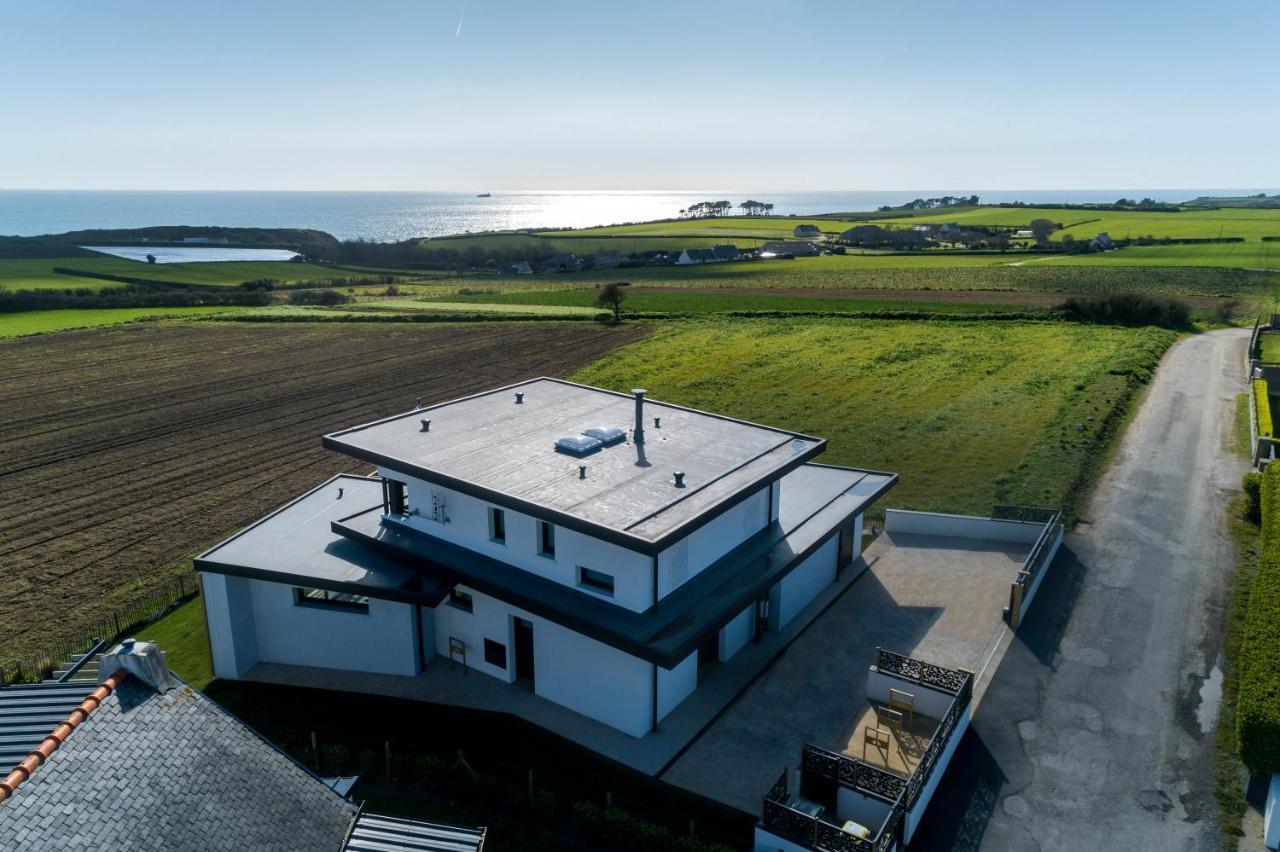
column 1096, row 731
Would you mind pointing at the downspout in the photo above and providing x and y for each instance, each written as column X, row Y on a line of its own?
column 654, row 667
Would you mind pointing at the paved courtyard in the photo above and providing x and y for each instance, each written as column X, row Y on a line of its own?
column 924, row 596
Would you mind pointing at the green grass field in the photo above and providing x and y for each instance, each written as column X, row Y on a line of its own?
column 1270, row 348
column 40, row 322
column 38, row 274
column 1234, row 222
column 1247, row 255
column 643, row 301
column 970, row 414
column 182, row 636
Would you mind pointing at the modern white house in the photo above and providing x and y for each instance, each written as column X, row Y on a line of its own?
column 600, row 549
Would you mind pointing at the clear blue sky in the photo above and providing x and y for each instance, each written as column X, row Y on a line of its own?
column 662, row 95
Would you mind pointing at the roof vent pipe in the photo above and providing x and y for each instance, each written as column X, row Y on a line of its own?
column 679, row 475
column 638, row 435
column 519, row 399
column 657, row 422
column 582, row 471
column 426, row 425
column 418, row 404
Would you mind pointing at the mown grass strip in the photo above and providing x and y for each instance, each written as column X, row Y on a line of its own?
column 1258, row 708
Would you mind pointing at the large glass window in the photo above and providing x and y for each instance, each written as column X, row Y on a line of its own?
column 462, row 600
column 330, row 600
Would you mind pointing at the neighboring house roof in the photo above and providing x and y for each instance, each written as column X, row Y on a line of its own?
column 374, row 833
column 490, row 447
column 144, row 769
column 726, row 252
column 29, row 712
column 806, row 231
column 788, row 247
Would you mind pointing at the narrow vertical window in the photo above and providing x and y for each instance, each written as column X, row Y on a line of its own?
column 497, row 526
column 546, row 539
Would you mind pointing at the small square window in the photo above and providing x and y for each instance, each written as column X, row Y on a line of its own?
column 596, row 581
column 546, row 539
column 330, row 600
column 495, row 653
column 461, row 600
column 498, row 526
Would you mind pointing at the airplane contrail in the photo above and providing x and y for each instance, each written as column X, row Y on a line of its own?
column 460, row 18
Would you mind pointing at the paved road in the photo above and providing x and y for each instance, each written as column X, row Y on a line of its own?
column 1093, row 734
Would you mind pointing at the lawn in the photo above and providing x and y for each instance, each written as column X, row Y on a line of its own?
column 969, row 413
column 185, row 641
column 39, row 322
column 1270, row 348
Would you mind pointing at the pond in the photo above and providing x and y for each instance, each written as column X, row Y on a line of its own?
column 194, row 254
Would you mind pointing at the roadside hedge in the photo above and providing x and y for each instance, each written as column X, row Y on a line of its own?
column 1258, row 707
column 1262, row 405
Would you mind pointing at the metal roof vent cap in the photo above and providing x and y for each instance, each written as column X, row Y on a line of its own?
column 582, row 471
column 657, row 422
column 426, row 425
column 143, row 660
column 637, row 432
column 679, row 475
column 519, row 398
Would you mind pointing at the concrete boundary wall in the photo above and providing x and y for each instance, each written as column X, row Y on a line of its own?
column 960, row 526
column 912, row 820
column 1030, row 593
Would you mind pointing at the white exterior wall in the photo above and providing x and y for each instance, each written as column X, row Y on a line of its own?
column 960, row 526
column 868, row 812
column 913, row 817
column 228, row 610
column 688, row 557
column 381, row 640
column 928, row 701
column 677, row 684
column 767, row 841
column 1271, row 819
column 570, row 669
column 468, row 526
column 803, row 584
column 735, row 635
column 1044, row 570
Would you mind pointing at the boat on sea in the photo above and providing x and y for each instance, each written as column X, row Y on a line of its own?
column 485, row 195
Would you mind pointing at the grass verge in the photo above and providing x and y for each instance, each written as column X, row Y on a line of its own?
column 183, row 637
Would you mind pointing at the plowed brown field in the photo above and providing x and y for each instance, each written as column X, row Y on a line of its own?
column 124, row 451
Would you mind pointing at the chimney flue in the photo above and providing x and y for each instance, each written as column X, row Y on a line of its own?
column 519, row 399
column 582, row 471
column 426, row 425
column 639, row 393
column 679, row 475
column 657, row 422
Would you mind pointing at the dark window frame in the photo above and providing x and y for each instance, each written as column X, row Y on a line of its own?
column 497, row 525
column 330, row 600
column 596, row 581
column 464, row 601
column 494, row 649
column 547, row 536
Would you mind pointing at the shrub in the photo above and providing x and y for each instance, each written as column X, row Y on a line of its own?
column 1262, row 408
column 1252, row 485
column 1258, row 707
column 1129, row 309
column 318, row 297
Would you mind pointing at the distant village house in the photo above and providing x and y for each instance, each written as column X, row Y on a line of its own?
column 808, row 232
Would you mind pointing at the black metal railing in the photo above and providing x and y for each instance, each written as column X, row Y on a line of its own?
column 104, row 629
column 938, row 743
column 925, row 674
column 1035, row 562
column 1032, row 514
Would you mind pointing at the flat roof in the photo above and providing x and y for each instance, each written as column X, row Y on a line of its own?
column 489, row 446
column 296, row 544
column 815, row 500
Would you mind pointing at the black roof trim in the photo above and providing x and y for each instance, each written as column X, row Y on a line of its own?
column 384, row 593
column 621, row 538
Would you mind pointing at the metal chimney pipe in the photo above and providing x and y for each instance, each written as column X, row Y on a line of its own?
column 679, row 475
column 582, row 471
column 519, row 399
column 639, row 393
column 426, row 425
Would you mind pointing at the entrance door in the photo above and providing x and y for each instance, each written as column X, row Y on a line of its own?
column 708, row 656
column 524, row 652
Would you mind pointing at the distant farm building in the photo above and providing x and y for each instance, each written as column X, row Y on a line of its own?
column 521, row 267
column 561, row 263
column 607, row 260
column 697, row 255
column 1102, row 242
column 808, row 232
column 1024, row 234
column 795, row 248
column 727, row 252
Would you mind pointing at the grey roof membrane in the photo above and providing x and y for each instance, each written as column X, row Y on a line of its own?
column 296, row 543
column 507, row 450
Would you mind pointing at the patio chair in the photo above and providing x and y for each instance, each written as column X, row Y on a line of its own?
column 457, row 651
column 878, row 739
column 904, row 703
